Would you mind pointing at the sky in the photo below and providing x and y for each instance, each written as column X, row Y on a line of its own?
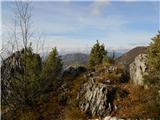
column 74, row 26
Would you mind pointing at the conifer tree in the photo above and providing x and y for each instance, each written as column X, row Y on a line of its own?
column 154, row 61
column 97, row 54
column 153, row 77
column 52, row 68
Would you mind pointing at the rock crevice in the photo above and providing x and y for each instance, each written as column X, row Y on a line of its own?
column 95, row 99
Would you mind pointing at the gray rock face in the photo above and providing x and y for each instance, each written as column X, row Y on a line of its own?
column 11, row 65
column 14, row 64
column 117, row 118
column 138, row 69
column 94, row 99
column 74, row 71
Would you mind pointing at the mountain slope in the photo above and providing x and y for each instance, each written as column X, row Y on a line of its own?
column 129, row 57
column 74, row 58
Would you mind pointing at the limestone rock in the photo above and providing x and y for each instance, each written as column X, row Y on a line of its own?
column 95, row 99
column 14, row 64
column 138, row 69
column 109, row 118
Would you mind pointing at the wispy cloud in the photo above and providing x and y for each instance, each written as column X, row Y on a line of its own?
column 75, row 26
column 97, row 7
column 71, row 19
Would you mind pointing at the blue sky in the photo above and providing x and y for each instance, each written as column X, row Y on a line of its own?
column 75, row 26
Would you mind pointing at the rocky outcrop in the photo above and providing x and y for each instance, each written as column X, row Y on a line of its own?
column 73, row 71
column 96, row 99
column 13, row 70
column 109, row 118
column 11, row 66
column 138, row 69
column 14, row 64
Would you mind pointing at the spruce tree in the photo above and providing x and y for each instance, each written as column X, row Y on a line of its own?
column 153, row 77
column 52, row 69
column 97, row 54
column 32, row 69
column 154, row 61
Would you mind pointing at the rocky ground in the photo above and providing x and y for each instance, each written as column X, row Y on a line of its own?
column 104, row 92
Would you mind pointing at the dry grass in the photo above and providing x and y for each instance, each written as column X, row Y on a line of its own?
column 73, row 113
column 135, row 104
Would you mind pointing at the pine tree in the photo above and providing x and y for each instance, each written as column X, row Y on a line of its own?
column 97, row 54
column 154, row 61
column 52, row 69
column 32, row 69
column 153, row 77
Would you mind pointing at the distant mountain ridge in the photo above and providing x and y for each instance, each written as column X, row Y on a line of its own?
column 80, row 58
column 128, row 57
column 74, row 58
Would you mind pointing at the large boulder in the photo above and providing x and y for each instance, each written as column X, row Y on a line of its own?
column 96, row 99
column 138, row 69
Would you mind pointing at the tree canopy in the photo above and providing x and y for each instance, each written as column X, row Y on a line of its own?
column 154, row 60
column 52, row 68
column 97, row 54
column 153, row 77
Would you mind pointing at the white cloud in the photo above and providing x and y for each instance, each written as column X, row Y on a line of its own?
column 97, row 7
column 60, row 21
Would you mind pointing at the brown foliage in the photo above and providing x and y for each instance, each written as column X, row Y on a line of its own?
column 135, row 105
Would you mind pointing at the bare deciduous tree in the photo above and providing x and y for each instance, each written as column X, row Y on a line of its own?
column 23, row 14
